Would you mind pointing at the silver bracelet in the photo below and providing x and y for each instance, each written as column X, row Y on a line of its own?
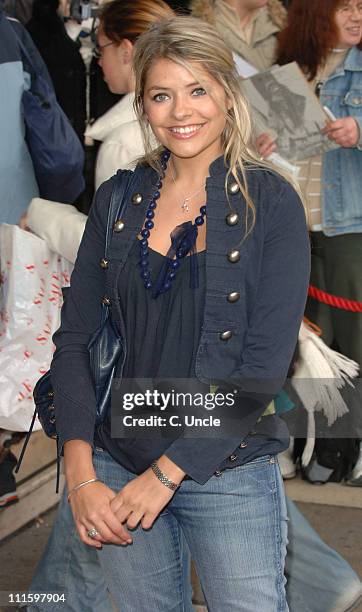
column 80, row 485
column 163, row 478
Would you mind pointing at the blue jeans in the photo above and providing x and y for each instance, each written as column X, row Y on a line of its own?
column 319, row 579
column 235, row 527
column 68, row 566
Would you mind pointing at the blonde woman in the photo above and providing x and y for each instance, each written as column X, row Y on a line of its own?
column 206, row 282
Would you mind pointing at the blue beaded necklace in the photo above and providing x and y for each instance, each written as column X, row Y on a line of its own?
column 183, row 242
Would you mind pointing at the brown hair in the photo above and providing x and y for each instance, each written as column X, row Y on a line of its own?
column 310, row 35
column 121, row 19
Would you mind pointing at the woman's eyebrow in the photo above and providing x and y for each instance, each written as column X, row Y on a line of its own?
column 168, row 88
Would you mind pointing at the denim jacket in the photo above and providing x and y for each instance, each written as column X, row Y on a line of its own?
column 342, row 168
column 251, row 338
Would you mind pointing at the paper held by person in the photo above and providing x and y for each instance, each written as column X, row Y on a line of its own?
column 285, row 106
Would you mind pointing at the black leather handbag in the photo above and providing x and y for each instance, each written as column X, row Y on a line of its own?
column 104, row 347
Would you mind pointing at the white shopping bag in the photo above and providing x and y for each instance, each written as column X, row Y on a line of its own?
column 31, row 278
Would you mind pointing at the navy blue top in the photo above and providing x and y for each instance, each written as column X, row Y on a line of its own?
column 162, row 337
column 270, row 273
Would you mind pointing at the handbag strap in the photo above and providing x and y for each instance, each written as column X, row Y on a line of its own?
column 116, row 206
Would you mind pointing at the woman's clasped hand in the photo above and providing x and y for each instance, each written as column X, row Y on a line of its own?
column 141, row 501
column 138, row 504
column 91, row 507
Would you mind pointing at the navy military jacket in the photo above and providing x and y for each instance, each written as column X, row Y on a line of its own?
column 247, row 341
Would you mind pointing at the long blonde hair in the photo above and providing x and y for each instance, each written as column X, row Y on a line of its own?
column 190, row 42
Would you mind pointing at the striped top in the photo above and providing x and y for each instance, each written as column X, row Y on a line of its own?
column 310, row 170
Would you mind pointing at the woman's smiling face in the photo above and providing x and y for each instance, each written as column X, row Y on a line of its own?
column 185, row 117
column 348, row 19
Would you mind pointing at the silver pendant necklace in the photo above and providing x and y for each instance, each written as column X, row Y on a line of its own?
column 185, row 199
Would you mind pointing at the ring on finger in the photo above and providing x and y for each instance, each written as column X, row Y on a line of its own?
column 92, row 533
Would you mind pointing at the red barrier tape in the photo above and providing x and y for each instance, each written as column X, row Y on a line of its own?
column 332, row 300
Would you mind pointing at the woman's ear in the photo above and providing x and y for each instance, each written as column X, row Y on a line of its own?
column 126, row 48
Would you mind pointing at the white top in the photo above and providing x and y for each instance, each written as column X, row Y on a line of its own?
column 119, row 131
column 60, row 225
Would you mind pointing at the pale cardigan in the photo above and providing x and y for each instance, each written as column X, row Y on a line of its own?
column 260, row 49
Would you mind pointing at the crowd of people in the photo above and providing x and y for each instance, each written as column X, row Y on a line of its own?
column 177, row 145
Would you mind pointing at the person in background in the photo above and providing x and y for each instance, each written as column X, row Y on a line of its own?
column 17, row 179
column 63, row 60
column 248, row 27
column 18, row 9
column 325, row 39
column 118, row 130
column 8, row 461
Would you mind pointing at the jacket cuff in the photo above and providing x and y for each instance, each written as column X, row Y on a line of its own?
column 189, row 455
column 359, row 124
column 73, row 436
column 200, row 458
column 80, row 427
